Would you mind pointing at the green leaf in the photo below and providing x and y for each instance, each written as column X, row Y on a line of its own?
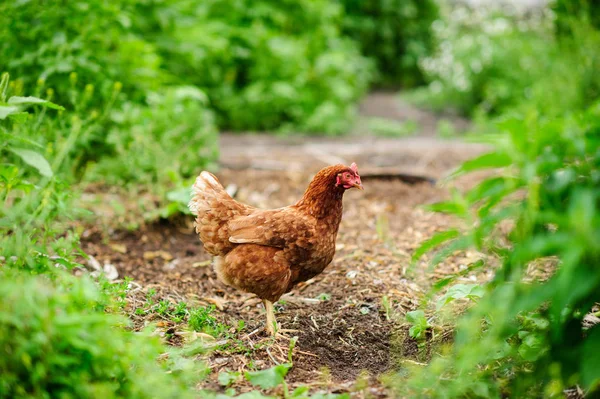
column 269, row 378
column 450, row 207
column 33, row 101
column 485, row 161
column 590, row 361
column 181, row 195
column 433, row 242
column 415, row 316
column 6, row 111
column 492, row 187
column 19, row 117
column 447, row 280
column 3, row 86
column 458, row 291
column 34, row 159
column 420, row 324
column 532, row 346
column 301, row 391
column 457, row 244
column 226, row 378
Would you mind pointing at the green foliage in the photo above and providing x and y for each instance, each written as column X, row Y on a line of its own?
column 226, row 378
column 266, row 65
column 275, row 377
column 35, row 202
column 489, row 62
column 390, row 128
column 460, row 291
column 268, row 378
column 483, row 62
column 169, row 139
column 569, row 12
column 525, row 335
column 293, row 65
column 160, row 144
column 202, row 320
column 419, row 322
column 52, row 341
column 95, row 39
column 395, row 33
column 13, row 110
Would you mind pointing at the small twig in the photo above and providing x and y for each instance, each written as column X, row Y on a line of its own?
column 314, row 322
column 414, row 362
column 280, row 351
column 271, row 356
column 251, row 334
column 305, row 353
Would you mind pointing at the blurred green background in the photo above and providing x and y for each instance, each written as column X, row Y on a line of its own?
column 132, row 95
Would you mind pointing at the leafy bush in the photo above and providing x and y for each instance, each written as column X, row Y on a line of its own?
column 35, row 200
column 525, row 337
column 267, row 64
column 484, row 60
column 570, row 11
column 489, row 62
column 95, row 39
column 169, row 139
column 53, row 343
column 395, row 33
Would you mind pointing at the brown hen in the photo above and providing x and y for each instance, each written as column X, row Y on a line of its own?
column 268, row 252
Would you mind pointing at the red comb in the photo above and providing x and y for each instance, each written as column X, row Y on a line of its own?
column 354, row 167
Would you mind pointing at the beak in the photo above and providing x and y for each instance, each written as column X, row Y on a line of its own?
column 359, row 186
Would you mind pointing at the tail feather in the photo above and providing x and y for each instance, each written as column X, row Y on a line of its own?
column 205, row 191
column 213, row 208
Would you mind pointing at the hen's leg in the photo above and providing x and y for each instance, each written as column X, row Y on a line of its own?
column 271, row 323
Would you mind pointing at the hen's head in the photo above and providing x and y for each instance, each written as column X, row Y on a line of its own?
column 323, row 197
column 348, row 177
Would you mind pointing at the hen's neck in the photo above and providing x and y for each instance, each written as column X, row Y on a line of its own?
column 323, row 199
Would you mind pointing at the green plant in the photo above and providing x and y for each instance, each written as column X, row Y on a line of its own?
column 52, row 341
column 489, row 62
column 387, row 308
column 169, row 139
column 485, row 62
column 12, row 109
column 420, row 324
column 570, row 11
column 395, row 33
column 267, row 65
column 324, row 296
column 460, row 291
column 200, row 319
column 35, row 202
column 390, row 128
column 95, row 39
column 525, row 336
column 275, row 376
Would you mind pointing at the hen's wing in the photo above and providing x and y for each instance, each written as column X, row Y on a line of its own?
column 280, row 228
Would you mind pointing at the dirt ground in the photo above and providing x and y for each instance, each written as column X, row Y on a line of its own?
column 346, row 330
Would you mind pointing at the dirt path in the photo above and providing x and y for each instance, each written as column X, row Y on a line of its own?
column 344, row 325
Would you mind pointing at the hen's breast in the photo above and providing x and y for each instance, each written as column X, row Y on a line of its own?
column 261, row 270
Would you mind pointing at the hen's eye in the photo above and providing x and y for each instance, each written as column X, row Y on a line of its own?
column 347, row 175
